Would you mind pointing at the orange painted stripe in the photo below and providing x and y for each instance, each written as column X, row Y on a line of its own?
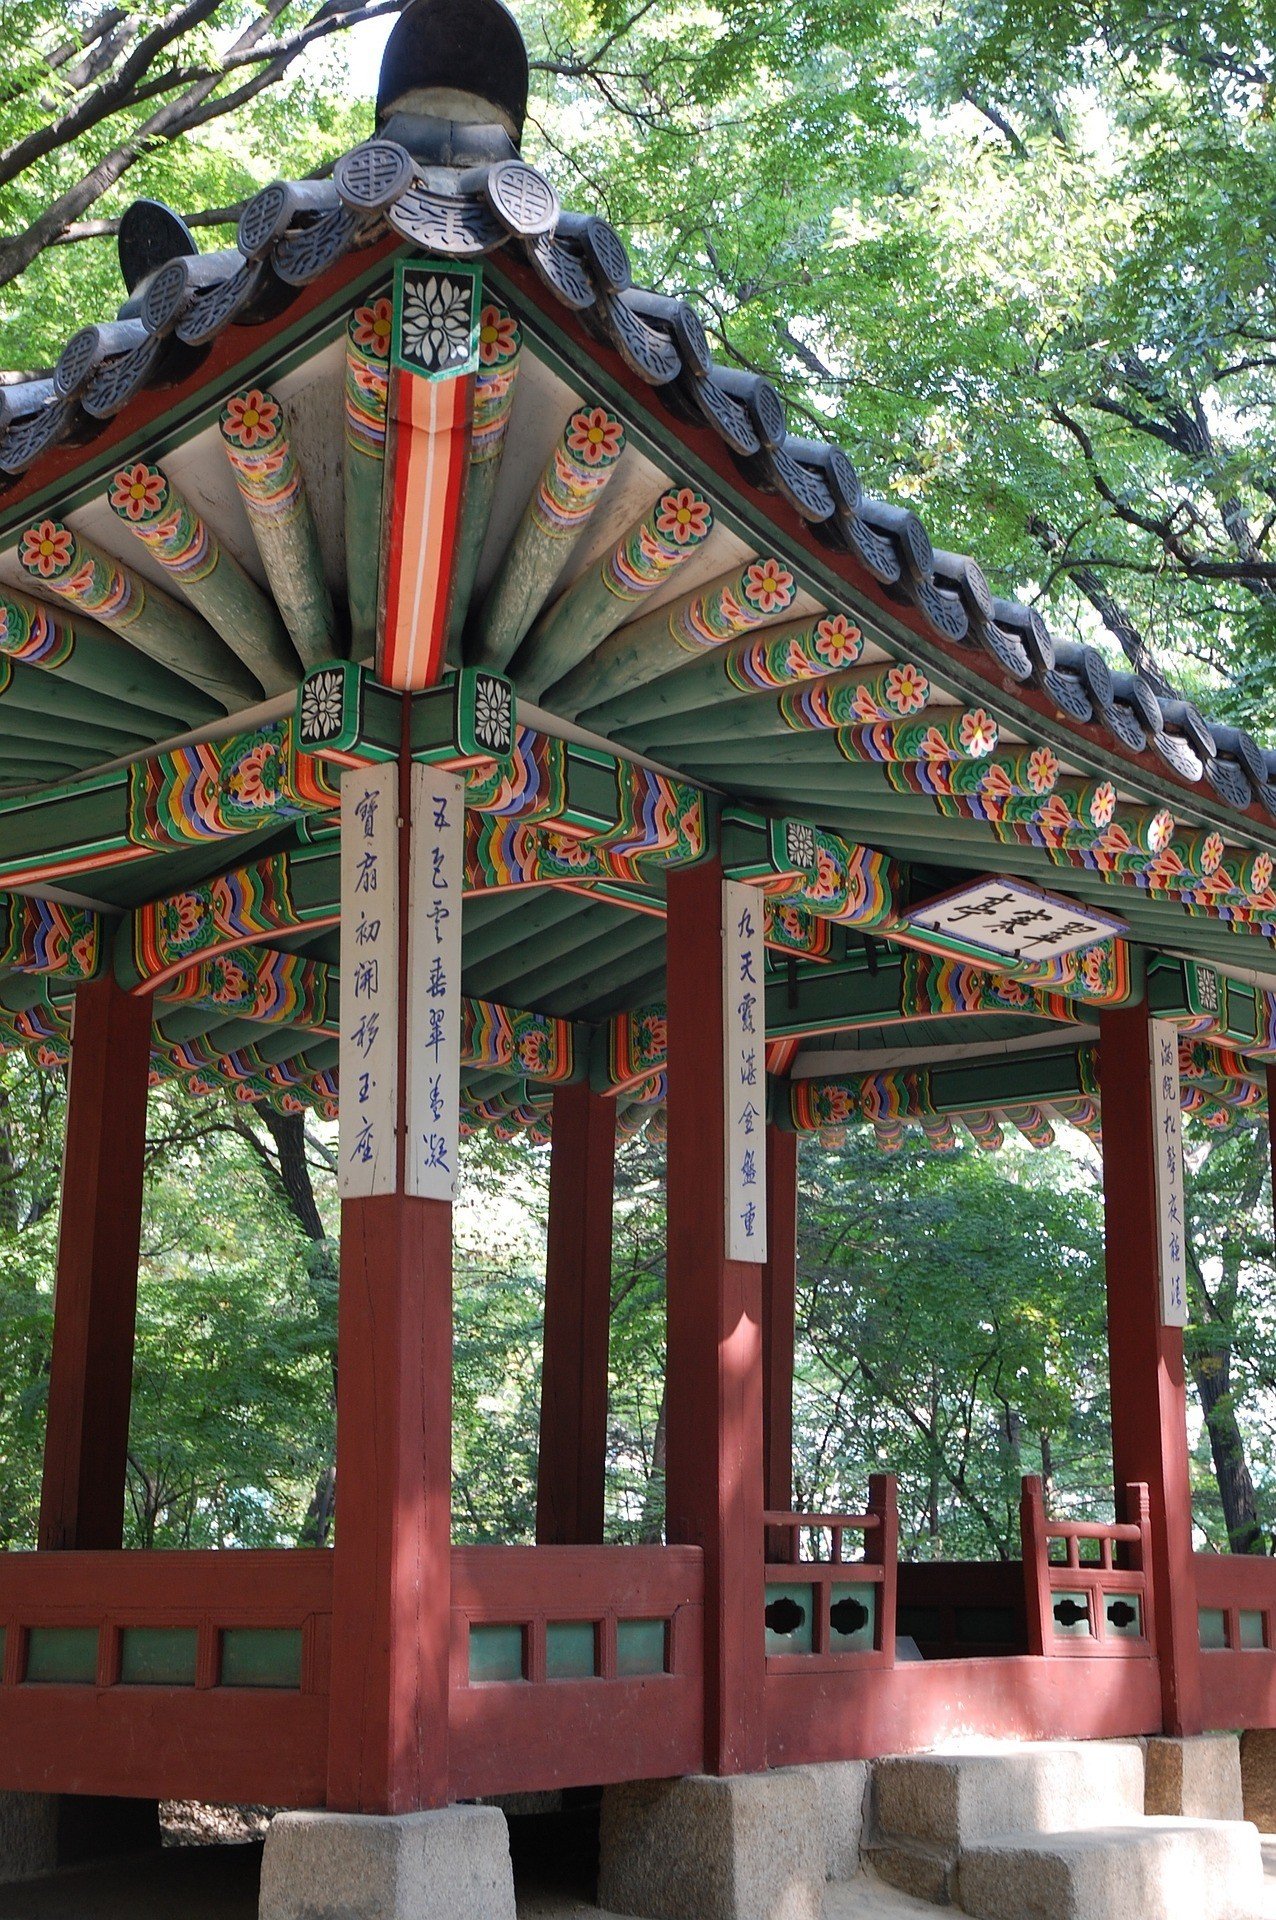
column 430, row 462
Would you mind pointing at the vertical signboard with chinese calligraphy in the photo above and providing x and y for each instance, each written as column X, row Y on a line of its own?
column 1167, row 1123
column 369, row 1045
column 434, row 983
column 744, row 1059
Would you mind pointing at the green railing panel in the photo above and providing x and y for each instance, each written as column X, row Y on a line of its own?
column 790, row 1616
column 1212, row 1622
column 158, row 1656
column 852, row 1618
column 570, row 1650
column 496, row 1653
column 1123, row 1613
column 641, row 1647
column 65, row 1654
column 1252, row 1634
column 1070, row 1615
column 261, row 1657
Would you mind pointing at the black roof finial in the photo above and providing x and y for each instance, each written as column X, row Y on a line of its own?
column 457, row 63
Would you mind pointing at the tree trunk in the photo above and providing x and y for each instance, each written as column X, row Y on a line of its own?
column 288, row 1131
column 1212, row 1375
column 651, row 1532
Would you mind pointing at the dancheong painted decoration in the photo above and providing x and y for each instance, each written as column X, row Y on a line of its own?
column 440, row 693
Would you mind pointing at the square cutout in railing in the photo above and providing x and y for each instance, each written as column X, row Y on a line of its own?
column 642, row 1647
column 790, row 1615
column 261, row 1657
column 1212, row 1626
column 571, row 1650
column 852, row 1618
column 1253, row 1637
column 158, row 1656
column 496, row 1653
column 1123, row 1613
column 1071, row 1615
column 64, row 1656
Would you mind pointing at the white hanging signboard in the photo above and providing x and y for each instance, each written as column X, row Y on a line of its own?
column 1167, row 1123
column 369, row 1041
column 433, row 1111
column 744, row 1059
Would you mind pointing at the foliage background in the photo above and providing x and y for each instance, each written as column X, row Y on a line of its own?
column 950, row 1328
column 1018, row 259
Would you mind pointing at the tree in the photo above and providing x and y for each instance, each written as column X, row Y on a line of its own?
column 950, row 1329
column 1017, row 259
column 198, row 103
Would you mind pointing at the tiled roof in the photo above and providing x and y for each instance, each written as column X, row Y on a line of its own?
column 459, row 189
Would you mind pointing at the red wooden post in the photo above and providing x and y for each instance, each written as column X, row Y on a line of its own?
column 779, row 1305
column 881, row 1548
column 1036, row 1565
column 571, row 1469
column 391, row 1593
column 392, row 1565
column 1149, row 1398
column 95, row 1303
column 1137, row 1512
column 1271, row 1129
column 714, row 1370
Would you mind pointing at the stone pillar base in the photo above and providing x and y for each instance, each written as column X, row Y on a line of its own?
column 440, row 1865
column 751, row 1847
column 40, row 1832
column 1199, row 1776
column 1258, row 1777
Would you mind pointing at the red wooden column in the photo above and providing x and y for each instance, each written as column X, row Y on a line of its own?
column 1271, row 1132
column 779, row 1306
column 387, row 1741
column 392, row 1568
column 95, row 1303
column 1149, row 1398
column 715, row 1480
column 571, row 1469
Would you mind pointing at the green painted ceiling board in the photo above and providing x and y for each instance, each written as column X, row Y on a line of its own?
column 554, row 931
column 588, row 957
column 620, row 983
column 600, row 1006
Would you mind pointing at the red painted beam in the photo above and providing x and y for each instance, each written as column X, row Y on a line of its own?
column 1149, row 1396
column 714, row 1368
column 571, row 1469
column 779, row 1306
column 822, row 1715
column 95, row 1304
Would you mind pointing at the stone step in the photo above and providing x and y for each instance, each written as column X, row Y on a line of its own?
column 957, row 1799
column 915, row 1867
column 1173, row 1869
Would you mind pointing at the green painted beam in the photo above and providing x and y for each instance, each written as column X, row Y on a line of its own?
column 94, row 582
column 562, row 503
column 645, row 558
column 180, row 540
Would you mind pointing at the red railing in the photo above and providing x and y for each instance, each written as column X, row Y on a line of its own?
column 1236, row 1616
column 575, row 1666
column 200, row 1674
column 833, row 1610
column 1099, row 1604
